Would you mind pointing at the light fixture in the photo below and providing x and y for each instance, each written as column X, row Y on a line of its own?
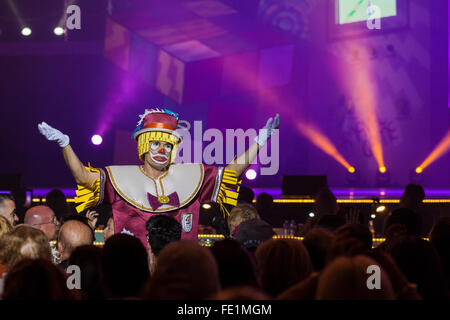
column 96, row 139
column 26, row 31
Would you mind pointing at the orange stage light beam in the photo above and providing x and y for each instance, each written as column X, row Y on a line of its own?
column 323, row 143
column 441, row 148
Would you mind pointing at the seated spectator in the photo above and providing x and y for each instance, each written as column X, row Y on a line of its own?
column 23, row 242
column 440, row 239
column 350, row 240
column 37, row 279
column 5, row 226
column 108, row 231
column 330, row 222
column 401, row 223
column 236, row 266
column 303, row 290
column 420, row 263
column 282, row 263
column 20, row 198
column 412, row 197
column 56, row 199
column 325, row 204
column 72, row 234
column 241, row 212
column 162, row 230
column 246, row 195
column 124, row 267
column 43, row 218
column 317, row 242
column 252, row 233
column 346, row 279
column 8, row 208
column 264, row 207
column 89, row 259
column 185, row 270
column 242, row 293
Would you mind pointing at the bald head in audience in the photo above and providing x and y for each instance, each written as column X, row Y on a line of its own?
column 73, row 234
column 43, row 218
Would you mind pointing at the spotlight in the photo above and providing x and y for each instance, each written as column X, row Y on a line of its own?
column 351, row 169
column 26, row 31
column 373, row 216
column 58, row 31
column 206, row 206
column 419, row 170
column 382, row 169
column 96, row 139
column 380, row 209
column 311, row 214
column 250, row 174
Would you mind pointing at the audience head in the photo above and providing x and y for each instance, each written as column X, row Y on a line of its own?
column 124, row 266
column 73, row 234
column 43, row 218
column 406, row 218
column 37, row 279
column 246, row 195
column 8, row 208
column 252, row 233
column 346, row 278
column 440, row 239
column 89, row 259
column 412, row 197
column 242, row 293
column 56, row 199
column 330, row 222
column 282, row 263
column 317, row 242
column 241, row 212
column 350, row 240
column 108, row 232
column 23, row 242
column 325, row 203
column 264, row 205
column 236, row 266
column 188, row 267
column 162, row 230
column 5, row 225
column 420, row 263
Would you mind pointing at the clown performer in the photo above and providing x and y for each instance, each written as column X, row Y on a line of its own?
column 158, row 186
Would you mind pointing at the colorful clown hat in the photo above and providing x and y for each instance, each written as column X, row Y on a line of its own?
column 159, row 125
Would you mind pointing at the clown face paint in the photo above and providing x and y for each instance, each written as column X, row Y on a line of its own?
column 160, row 152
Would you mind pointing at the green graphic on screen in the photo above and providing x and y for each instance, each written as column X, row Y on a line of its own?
column 358, row 10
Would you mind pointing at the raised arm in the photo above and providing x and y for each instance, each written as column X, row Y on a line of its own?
column 240, row 164
column 82, row 176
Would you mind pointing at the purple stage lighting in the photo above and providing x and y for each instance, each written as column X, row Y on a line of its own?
column 251, row 174
column 96, row 139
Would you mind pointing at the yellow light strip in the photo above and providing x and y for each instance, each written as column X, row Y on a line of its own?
column 36, row 200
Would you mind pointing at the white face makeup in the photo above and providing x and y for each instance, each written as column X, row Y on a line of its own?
column 160, row 152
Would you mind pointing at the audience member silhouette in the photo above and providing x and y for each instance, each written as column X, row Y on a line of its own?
column 346, row 278
column 72, row 234
column 420, row 263
column 162, row 230
column 37, row 279
column 282, row 263
column 184, row 270
column 89, row 259
column 236, row 265
column 317, row 242
column 56, row 199
column 440, row 239
column 124, row 267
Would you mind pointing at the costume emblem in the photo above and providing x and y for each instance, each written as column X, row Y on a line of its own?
column 186, row 221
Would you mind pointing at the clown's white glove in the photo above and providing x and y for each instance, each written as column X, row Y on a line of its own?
column 53, row 134
column 268, row 130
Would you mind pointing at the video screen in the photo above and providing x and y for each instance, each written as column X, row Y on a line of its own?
column 350, row 11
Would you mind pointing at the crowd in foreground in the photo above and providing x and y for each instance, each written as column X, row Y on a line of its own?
column 40, row 245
